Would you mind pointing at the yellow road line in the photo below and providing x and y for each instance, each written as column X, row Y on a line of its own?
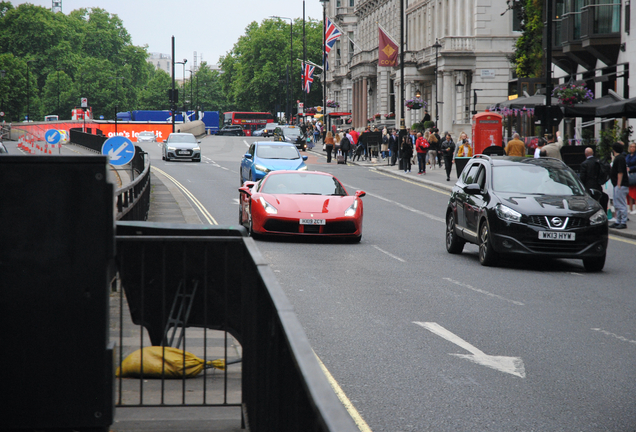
column 353, row 412
column 195, row 201
column 622, row 239
column 434, row 189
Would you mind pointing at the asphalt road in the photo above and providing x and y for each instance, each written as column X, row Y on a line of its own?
column 420, row 340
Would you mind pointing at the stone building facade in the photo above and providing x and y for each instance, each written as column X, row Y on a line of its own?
column 475, row 41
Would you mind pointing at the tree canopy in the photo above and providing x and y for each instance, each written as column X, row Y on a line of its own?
column 255, row 72
column 52, row 60
column 528, row 56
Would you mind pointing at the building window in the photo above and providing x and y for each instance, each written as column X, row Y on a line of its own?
column 351, row 3
column 338, row 3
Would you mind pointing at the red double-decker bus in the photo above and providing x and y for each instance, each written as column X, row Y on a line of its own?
column 249, row 121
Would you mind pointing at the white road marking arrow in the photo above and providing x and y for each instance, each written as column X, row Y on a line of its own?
column 511, row 365
column 114, row 154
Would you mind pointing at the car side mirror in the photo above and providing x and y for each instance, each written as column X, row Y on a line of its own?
column 247, row 187
column 304, row 158
column 472, row 189
column 198, row 142
column 360, row 194
column 247, row 156
column 596, row 194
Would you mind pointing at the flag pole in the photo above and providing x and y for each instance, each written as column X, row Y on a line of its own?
column 402, row 122
column 304, row 60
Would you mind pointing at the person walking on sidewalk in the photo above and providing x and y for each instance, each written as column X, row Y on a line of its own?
column 620, row 181
column 407, row 152
column 329, row 145
column 436, row 140
column 448, row 151
column 421, row 146
column 515, row 146
column 345, row 146
column 589, row 175
column 394, row 145
column 433, row 148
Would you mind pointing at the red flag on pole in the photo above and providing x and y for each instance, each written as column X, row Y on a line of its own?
column 387, row 50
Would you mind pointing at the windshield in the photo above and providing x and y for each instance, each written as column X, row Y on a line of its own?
column 182, row 138
column 146, row 134
column 533, row 179
column 302, row 183
column 277, row 152
column 291, row 132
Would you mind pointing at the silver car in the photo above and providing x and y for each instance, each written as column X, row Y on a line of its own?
column 146, row 137
column 180, row 146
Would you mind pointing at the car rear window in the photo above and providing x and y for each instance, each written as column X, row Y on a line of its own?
column 303, row 184
column 533, row 179
column 291, row 132
column 277, row 152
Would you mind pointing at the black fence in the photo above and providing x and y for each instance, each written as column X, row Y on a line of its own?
column 133, row 200
column 233, row 290
column 87, row 139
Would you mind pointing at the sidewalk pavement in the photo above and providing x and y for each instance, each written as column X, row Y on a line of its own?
column 436, row 177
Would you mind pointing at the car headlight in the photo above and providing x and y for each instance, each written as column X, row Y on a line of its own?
column 270, row 209
column 507, row 214
column 171, row 148
column 197, row 149
column 261, row 168
column 303, row 168
column 351, row 211
column 598, row 218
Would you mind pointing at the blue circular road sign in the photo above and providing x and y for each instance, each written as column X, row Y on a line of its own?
column 120, row 150
column 52, row 136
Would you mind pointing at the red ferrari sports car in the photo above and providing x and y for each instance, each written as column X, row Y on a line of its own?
column 300, row 203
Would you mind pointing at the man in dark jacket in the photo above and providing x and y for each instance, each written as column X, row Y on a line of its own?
column 394, row 145
column 589, row 173
column 345, row 146
column 620, row 180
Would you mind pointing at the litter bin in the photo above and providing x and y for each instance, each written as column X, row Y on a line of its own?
column 460, row 163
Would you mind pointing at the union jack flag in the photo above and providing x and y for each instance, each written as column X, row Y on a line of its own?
column 331, row 35
column 308, row 76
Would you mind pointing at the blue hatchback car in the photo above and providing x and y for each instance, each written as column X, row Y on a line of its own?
column 266, row 156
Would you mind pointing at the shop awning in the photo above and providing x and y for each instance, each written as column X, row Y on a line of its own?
column 525, row 102
column 624, row 108
column 589, row 109
column 338, row 114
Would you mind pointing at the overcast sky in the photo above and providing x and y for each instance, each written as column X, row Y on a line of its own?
column 209, row 27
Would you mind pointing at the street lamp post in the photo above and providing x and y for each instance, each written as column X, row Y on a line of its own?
column 2, row 75
column 437, row 46
column 291, row 63
column 116, row 102
column 183, row 63
column 28, row 92
column 475, row 100
column 58, row 94
column 191, row 99
column 324, row 70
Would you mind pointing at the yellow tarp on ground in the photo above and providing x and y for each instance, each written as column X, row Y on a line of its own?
column 171, row 367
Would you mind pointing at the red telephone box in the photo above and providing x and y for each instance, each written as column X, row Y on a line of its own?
column 487, row 131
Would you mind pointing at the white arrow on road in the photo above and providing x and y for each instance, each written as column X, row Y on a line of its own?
column 511, row 365
column 114, row 154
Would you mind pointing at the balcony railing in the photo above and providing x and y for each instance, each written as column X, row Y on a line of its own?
column 600, row 20
column 592, row 21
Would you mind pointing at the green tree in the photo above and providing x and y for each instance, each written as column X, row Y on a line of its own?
column 259, row 61
column 155, row 95
column 528, row 56
column 59, row 94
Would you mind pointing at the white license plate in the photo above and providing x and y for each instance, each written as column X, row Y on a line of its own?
column 183, row 152
column 556, row 235
column 313, row 222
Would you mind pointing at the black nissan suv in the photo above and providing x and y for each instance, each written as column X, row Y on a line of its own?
column 527, row 206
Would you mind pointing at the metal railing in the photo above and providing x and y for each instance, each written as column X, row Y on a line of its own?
column 133, row 200
column 283, row 387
